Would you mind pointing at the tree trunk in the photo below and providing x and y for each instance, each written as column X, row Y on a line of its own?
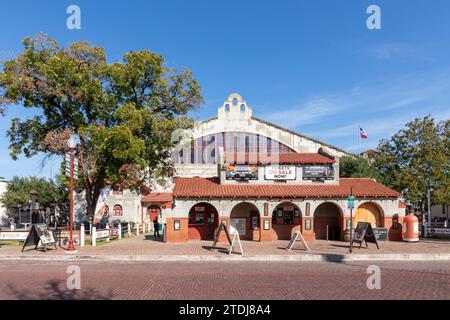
column 93, row 190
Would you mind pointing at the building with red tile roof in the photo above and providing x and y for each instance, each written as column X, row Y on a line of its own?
column 264, row 180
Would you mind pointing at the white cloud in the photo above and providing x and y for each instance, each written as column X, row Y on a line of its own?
column 411, row 94
column 389, row 51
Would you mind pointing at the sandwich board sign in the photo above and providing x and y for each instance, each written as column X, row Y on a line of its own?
column 294, row 238
column 364, row 232
column 235, row 237
column 223, row 227
column 39, row 234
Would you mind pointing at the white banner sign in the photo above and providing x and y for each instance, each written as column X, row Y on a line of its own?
column 102, row 234
column 13, row 235
column 280, row 172
column 445, row 231
column 100, row 209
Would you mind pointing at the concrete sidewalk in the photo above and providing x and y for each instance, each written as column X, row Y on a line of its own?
column 145, row 248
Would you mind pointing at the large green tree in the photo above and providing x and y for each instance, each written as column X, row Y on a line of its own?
column 358, row 168
column 416, row 159
column 123, row 112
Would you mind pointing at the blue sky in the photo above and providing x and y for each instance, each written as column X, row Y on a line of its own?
column 310, row 65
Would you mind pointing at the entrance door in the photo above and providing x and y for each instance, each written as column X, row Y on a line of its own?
column 153, row 212
column 203, row 221
column 327, row 217
column 368, row 212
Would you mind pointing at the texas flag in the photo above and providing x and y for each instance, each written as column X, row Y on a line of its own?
column 362, row 133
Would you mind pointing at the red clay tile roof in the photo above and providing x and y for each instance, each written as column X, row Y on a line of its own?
column 278, row 158
column 157, row 197
column 210, row 188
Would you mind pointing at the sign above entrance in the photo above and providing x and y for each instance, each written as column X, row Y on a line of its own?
column 241, row 172
column 280, row 172
column 318, row 172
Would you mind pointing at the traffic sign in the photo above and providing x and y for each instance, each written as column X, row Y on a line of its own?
column 351, row 202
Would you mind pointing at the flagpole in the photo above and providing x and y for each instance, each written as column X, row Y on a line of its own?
column 359, row 140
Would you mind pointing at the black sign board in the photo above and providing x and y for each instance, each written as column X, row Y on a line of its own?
column 318, row 172
column 241, row 172
column 364, row 232
column 39, row 233
column 381, row 233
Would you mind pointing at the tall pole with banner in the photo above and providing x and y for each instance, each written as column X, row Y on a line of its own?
column 71, row 144
column 351, row 206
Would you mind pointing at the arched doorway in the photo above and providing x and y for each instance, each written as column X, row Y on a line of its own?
column 369, row 212
column 286, row 217
column 245, row 218
column 203, row 221
column 327, row 214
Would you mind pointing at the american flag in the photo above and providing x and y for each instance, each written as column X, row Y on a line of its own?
column 362, row 133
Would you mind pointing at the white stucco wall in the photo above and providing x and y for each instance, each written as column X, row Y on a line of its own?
column 130, row 202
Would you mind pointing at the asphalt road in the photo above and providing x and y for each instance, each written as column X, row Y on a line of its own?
column 223, row 280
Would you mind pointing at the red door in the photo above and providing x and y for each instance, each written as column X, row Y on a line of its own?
column 202, row 222
column 153, row 212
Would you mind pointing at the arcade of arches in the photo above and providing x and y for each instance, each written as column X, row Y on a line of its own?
column 285, row 219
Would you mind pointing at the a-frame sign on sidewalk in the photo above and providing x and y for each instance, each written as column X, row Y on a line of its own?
column 364, row 232
column 294, row 237
column 39, row 233
column 223, row 227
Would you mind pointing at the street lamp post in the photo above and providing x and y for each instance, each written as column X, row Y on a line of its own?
column 429, row 212
column 71, row 144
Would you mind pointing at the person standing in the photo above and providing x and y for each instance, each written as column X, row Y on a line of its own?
column 156, row 227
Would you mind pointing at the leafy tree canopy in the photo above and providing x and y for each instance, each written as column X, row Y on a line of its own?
column 417, row 158
column 49, row 193
column 358, row 168
column 124, row 113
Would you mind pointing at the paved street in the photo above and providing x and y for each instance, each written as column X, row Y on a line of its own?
column 223, row 280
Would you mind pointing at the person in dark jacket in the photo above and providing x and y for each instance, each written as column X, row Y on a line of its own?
column 156, row 227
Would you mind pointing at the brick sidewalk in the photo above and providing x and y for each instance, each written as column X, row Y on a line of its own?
column 147, row 246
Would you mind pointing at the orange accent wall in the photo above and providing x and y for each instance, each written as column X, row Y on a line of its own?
column 177, row 236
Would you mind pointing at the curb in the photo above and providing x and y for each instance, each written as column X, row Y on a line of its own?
column 305, row 257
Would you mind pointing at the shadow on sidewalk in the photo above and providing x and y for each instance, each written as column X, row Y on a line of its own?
column 53, row 290
column 149, row 237
column 219, row 249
